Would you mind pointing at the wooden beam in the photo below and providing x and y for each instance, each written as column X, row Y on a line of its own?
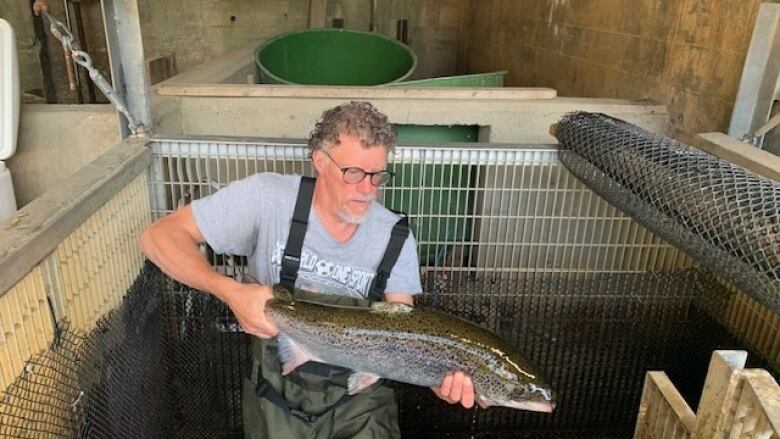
column 717, row 403
column 658, row 380
column 743, row 154
column 767, row 399
column 329, row 92
column 39, row 227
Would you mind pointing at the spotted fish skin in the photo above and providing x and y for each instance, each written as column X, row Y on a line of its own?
column 410, row 345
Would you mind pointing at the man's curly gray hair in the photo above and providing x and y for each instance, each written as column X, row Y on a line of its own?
column 356, row 118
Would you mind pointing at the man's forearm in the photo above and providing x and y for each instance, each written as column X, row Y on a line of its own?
column 178, row 256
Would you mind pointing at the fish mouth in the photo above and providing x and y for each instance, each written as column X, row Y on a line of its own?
column 536, row 406
column 532, row 406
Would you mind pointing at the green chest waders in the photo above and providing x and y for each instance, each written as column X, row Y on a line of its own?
column 312, row 401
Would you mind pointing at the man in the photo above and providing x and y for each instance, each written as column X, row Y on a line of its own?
column 328, row 237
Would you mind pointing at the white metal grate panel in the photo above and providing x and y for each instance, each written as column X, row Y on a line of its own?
column 483, row 210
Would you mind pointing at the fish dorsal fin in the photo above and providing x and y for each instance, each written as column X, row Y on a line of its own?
column 359, row 381
column 292, row 355
column 391, row 308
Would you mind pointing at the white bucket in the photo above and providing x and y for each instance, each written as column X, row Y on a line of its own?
column 7, row 198
column 9, row 115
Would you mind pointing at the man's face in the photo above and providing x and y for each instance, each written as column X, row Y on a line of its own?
column 350, row 201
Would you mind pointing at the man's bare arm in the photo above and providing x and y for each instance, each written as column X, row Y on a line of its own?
column 172, row 244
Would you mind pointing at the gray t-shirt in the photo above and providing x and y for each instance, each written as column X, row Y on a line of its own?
column 252, row 217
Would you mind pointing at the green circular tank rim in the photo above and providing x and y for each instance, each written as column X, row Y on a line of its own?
column 263, row 71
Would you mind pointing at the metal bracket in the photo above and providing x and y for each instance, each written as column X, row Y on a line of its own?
column 760, row 84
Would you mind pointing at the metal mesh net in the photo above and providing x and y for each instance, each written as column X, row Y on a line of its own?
column 111, row 382
column 593, row 307
column 721, row 214
column 170, row 362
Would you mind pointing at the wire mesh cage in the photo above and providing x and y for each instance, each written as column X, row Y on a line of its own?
column 725, row 216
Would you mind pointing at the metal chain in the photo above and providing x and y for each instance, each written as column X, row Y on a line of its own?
column 62, row 33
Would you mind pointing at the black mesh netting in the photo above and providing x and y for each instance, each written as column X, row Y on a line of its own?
column 169, row 362
column 721, row 214
column 112, row 382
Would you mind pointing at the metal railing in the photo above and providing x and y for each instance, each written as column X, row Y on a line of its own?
column 481, row 210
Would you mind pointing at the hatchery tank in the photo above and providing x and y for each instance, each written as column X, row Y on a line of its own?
column 580, row 286
column 333, row 57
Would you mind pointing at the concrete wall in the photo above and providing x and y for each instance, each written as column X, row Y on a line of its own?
column 21, row 19
column 40, row 84
column 435, row 29
column 206, row 29
column 196, row 31
column 57, row 140
column 687, row 54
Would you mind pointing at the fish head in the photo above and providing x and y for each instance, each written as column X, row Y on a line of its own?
column 527, row 394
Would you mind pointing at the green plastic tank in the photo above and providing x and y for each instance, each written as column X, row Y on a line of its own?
column 474, row 80
column 436, row 196
column 333, row 57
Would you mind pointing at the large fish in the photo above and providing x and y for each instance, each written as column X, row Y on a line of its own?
column 405, row 344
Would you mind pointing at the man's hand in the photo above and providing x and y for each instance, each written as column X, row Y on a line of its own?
column 40, row 6
column 247, row 301
column 455, row 388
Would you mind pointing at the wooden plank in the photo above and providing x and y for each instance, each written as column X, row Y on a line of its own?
column 767, row 394
column 718, row 398
column 677, row 403
column 37, row 229
column 659, row 381
column 329, row 92
column 748, row 156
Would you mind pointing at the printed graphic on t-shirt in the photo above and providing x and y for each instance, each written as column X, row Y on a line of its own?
column 323, row 276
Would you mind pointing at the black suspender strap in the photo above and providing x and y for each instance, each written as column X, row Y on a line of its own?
column 397, row 239
column 263, row 389
column 300, row 220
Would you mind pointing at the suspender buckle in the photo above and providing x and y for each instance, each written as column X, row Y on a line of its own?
column 264, row 390
column 304, row 416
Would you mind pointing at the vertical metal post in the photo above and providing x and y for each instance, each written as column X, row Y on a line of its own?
column 760, row 83
column 126, row 57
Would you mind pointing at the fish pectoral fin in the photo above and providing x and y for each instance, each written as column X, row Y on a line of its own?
column 291, row 354
column 391, row 307
column 482, row 403
column 359, row 381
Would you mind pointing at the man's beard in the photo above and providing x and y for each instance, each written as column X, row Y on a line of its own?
column 355, row 219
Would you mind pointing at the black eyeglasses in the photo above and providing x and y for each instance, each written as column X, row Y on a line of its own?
column 354, row 175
